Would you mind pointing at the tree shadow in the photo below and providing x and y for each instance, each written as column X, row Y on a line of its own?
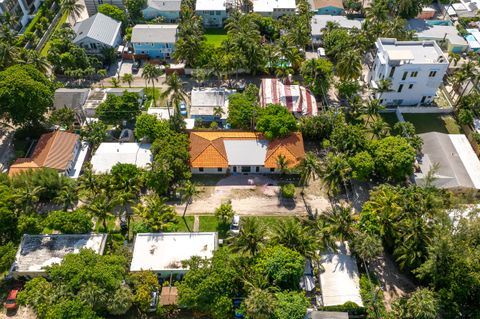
column 186, row 224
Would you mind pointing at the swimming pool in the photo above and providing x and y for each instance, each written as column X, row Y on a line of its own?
column 438, row 22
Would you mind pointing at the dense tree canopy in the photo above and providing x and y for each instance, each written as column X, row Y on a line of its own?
column 394, row 158
column 117, row 109
column 275, row 121
column 113, row 12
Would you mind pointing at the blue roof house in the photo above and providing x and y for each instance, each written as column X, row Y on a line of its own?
column 169, row 9
column 328, row 7
column 157, row 41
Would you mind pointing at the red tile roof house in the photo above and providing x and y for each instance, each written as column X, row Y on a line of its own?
column 298, row 99
column 221, row 152
column 56, row 150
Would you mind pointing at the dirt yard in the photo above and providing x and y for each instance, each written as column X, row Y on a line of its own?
column 21, row 313
column 255, row 195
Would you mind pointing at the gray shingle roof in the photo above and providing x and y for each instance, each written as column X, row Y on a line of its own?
column 99, row 27
column 165, row 5
column 154, row 33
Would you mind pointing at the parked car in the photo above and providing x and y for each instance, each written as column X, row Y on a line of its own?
column 136, row 66
column 183, row 109
column 235, row 226
column 11, row 302
column 154, row 301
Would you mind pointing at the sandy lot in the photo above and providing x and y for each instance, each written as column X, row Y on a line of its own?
column 253, row 195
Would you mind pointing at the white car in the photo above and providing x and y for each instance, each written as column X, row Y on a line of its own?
column 235, row 226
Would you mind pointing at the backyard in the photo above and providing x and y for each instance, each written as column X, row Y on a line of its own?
column 215, row 36
column 426, row 122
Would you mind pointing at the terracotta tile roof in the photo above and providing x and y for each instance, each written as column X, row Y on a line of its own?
column 207, row 148
column 53, row 150
column 317, row 4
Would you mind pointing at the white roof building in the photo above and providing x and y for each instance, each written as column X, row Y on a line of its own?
column 39, row 251
column 205, row 100
column 162, row 113
column 414, row 68
column 319, row 22
column 109, row 154
column 163, row 253
column 340, row 281
column 210, row 5
column 274, row 8
column 97, row 31
column 459, row 166
column 154, row 33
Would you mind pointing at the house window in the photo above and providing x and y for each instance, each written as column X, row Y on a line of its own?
column 272, row 170
column 404, row 76
column 414, row 74
column 246, row 169
column 400, row 87
column 200, row 169
column 217, row 13
column 410, row 86
column 234, row 169
column 432, row 74
column 212, row 13
column 257, row 169
column 392, row 71
column 219, row 169
column 423, row 99
column 93, row 45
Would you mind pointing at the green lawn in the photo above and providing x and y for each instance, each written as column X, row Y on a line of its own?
column 158, row 99
column 390, row 118
column 426, row 122
column 62, row 20
column 185, row 225
column 208, row 223
column 215, row 36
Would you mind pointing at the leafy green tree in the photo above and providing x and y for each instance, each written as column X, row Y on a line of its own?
column 48, row 181
column 291, row 305
column 64, row 117
column 422, row 304
column 362, row 165
column 241, row 111
column 72, row 8
column 260, row 304
column 75, row 222
column 291, row 234
column 157, row 215
column 144, row 282
column 71, row 309
column 117, row 109
column 147, row 125
column 38, row 293
column 134, row 8
column 128, row 78
column 407, row 130
column 19, row 108
column 30, row 224
column 224, row 213
column 94, row 133
column 250, row 237
column 280, row 266
column 275, row 121
column 113, row 12
column 209, row 285
column 317, row 128
column 394, row 158
column 7, row 256
column 317, row 74
column 465, row 116
column 349, row 139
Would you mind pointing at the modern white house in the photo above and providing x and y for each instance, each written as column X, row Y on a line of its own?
column 108, row 155
column 414, row 68
column 163, row 253
column 98, row 32
column 22, row 9
column 274, row 8
column 213, row 12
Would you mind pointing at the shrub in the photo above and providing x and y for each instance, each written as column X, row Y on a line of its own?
column 288, row 190
column 350, row 307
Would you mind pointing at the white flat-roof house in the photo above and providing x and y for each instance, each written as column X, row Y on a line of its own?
column 163, row 253
column 213, row 12
column 98, row 32
column 204, row 102
column 108, row 155
column 39, row 251
column 274, row 8
column 415, row 69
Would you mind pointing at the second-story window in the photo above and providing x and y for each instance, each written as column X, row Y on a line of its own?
column 392, row 71
column 414, row 74
column 432, row 74
column 404, row 76
column 400, row 87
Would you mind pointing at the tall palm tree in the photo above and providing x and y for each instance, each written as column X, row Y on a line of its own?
column 349, row 65
column 102, row 207
column 250, row 238
column 8, row 54
column 115, row 82
column 383, row 86
column 367, row 247
column 188, row 191
column 34, row 58
column 290, row 233
column 282, row 164
column 309, row 167
column 340, row 221
column 218, row 112
column 422, row 304
column 151, row 73
column 72, row 7
column 128, row 78
column 335, row 172
column 175, row 92
column 378, row 128
column 67, row 196
column 26, row 198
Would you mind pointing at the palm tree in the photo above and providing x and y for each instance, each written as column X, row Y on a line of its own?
column 67, row 196
column 282, row 164
column 34, row 58
column 367, row 247
column 250, row 238
column 372, row 109
column 349, row 65
column 127, row 78
column 151, row 73
column 73, row 8
column 383, row 86
column 8, row 54
column 218, row 112
column 188, row 191
column 102, row 207
column 157, row 214
column 379, row 128
column 422, row 304
column 290, row 233
column 27, row 198
column 309, row 167
column 115, row 82
column 336, row 171
column 175, row 92
column 340, row 221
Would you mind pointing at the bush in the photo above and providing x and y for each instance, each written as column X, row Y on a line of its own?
column 367, row 290
column 350, row 307
column 288, row 190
